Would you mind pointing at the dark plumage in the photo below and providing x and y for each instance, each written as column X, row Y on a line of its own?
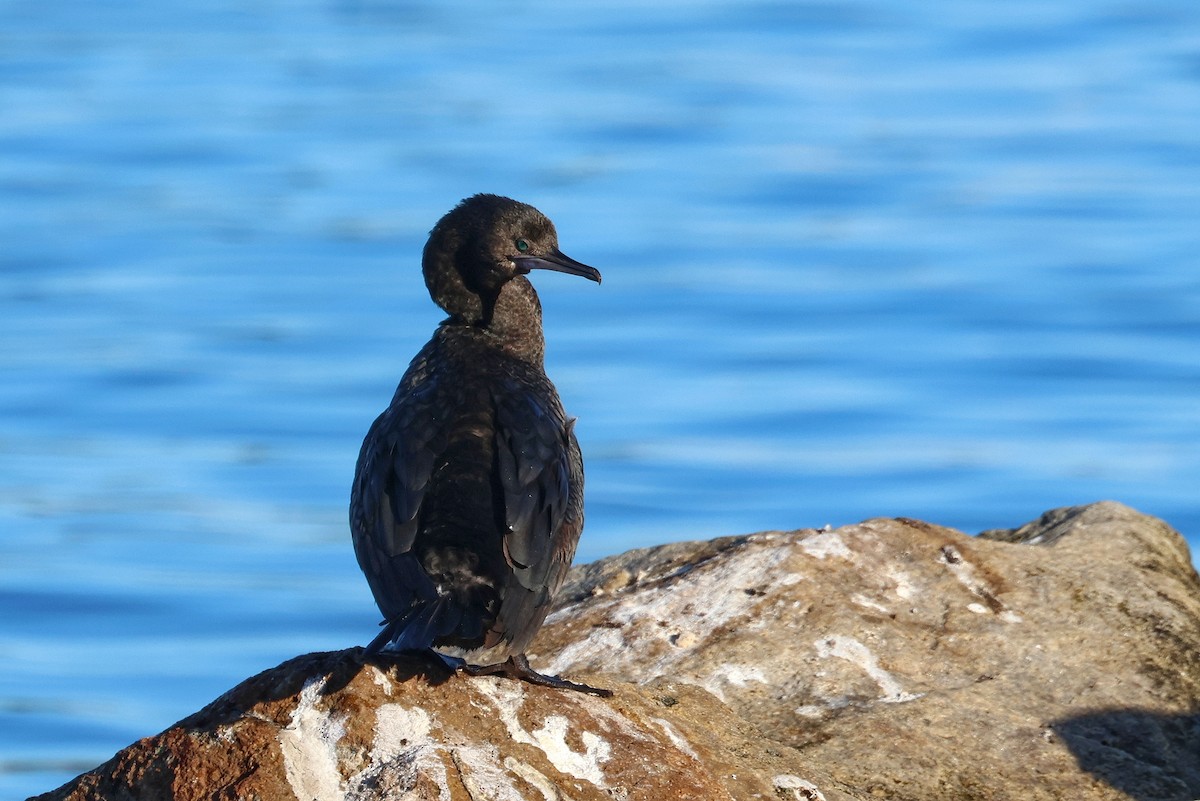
column 467, row 501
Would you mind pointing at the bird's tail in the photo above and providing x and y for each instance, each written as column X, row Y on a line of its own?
column 418, row 627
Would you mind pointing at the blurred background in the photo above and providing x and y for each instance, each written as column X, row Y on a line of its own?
column 861, row 258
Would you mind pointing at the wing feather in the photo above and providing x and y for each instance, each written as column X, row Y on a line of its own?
column 534, row 457
column 392, row 476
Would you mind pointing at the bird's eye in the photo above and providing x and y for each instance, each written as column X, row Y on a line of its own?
column 522, row 245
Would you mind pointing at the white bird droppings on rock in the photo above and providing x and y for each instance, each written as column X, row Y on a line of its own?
column 827, row 544
column 817, row 711
column 675, row 738
column 535, row 778
column 308, row 745
column 735, row 675
column 380, row 679
column 551, row 738
column 598, row 643
column 801, row 790
column 403, row 751
column 483, row 777
column 856, row 653
column 903, row 583
column 703, row 600
column 398, row 729
column 866, row 602
column 740, row 675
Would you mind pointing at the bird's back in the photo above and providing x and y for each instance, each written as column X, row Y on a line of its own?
column 467, row 500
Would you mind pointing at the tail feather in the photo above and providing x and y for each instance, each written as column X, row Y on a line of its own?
column 418, row 627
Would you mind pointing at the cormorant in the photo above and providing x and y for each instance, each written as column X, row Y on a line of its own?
column 467, row 501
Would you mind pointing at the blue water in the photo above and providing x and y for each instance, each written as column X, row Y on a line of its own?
column 860, row 259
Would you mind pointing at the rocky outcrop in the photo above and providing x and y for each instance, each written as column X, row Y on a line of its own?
column 890, row 659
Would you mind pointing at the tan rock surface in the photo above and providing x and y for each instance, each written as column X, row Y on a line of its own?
column 890, row 659
column 328, row 726
column 1058, row 660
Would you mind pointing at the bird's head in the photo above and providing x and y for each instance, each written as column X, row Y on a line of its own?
column 484, row 243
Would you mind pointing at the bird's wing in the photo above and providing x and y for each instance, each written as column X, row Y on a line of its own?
column 390, row 482
column 535, row 452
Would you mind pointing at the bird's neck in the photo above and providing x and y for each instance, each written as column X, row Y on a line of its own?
column 512, row 319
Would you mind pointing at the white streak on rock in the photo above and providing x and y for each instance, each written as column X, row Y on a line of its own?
column 535, row 778
column 964, row 572
column 402, row 751
column 596, row 645
column 566, row 612
column 482, row 776
column 695, row 596
column 864, row 601
column 706, row 598
column 399, row 730
column 308, row 745
column 740, row 675
column 676, row 739
column 551, row 738
column 825, row 545
column 408, row 757
column 960, row 568
column 818, row 710
column 801, row 790
column 737, row 675
column 904, row 585
column 856, row 653
column 381, row 679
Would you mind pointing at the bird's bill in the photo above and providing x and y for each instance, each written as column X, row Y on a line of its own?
column 558, row 261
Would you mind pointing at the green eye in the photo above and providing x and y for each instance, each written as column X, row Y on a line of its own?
column 522, row 245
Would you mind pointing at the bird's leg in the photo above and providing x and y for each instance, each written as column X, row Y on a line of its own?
column 517, row 667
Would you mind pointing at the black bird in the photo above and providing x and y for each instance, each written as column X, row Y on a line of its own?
column 467, row 501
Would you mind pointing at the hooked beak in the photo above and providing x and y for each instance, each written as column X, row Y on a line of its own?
column 558, row 261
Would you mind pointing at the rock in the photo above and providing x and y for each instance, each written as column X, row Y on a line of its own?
column 914, row 662
column 329, row 726
column 890, row 659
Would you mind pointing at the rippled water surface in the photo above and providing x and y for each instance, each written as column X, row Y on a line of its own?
column 860, row 258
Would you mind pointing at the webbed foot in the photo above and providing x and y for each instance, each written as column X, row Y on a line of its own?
column 517, row 667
